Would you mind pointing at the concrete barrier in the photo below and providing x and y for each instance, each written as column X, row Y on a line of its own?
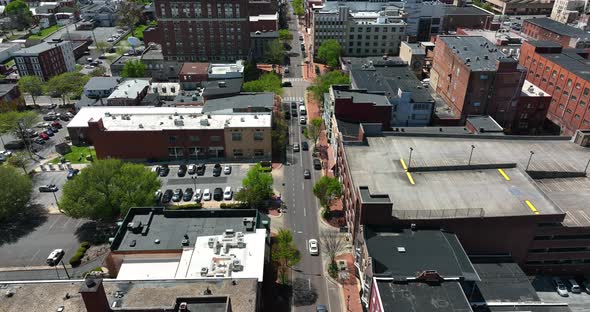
column 60, row 166
column 462, row 167
column 51, row 168
column 555, row 174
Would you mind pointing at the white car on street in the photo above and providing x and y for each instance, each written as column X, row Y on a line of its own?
column 206, row 195
column 314, row 249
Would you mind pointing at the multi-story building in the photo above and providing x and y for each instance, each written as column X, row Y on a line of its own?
column 531, row 110
column 424, row 18
column 201, row 31
column 101, row 87
column 46, row 60
column 567, row 11
column 546, row 29
column 563, row 73
column 512, row 7
column 129, row 92
column 474, row 78
column 360, row 33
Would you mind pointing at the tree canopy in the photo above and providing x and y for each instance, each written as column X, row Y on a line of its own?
column 298, row 7
column 133, row 69
column 19, row 13
column 15, row 192
column 314, row 129
column 257, row 187
column 327, row 189
column 329, row 52
column 285, row 35
column 106, row 189
column 70, row 84
column 19, row 160
column 269, row 82
column 129, row 14
column 322, row 83
column 284, row 252
column 274, row 52
column 32, row 85
column 9, row 121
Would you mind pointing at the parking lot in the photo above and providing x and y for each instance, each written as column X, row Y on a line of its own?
column 47, row 200
column 547, row 293
column 173, row 181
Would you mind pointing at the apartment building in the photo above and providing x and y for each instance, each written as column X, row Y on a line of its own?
column 567, row 11
column 547, row 29
column 46, row 59
column 563, row 73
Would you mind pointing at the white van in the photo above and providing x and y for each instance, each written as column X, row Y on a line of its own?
column 302, row 110
column 575, row 288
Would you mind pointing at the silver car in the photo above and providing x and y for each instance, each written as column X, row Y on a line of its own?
column 560, row 287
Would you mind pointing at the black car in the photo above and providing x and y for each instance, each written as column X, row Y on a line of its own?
column 177, row 195
column 182, row 170
column 200, row 169
column 14, row 145
column 188, row 194
column 303, row 129
column 218, row 194
column 53, row 128
column 39, row 141
column 293, row 104
column 294, row 112
column 64, row 118
column 304, row 146
column 286, row 84
column 72, row 173
column 48, row 188
column 164, row 170
column 287, row 116
column 167, row 196
column 217, row 170
column 317, row 164
column 306, row 174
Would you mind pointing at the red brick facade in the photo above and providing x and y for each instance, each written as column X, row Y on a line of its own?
column 347, row 110
column 539, row 33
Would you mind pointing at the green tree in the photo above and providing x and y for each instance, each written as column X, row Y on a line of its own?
column 129, row 14
column 251, row 71
column 322, row 83
column 67, row 84
column 19, row 160
column 298, row 7
column 102, row 46
column 133, row 69
column 327, row 189
column 257, row 187
column 284, row 253
column 275, row 52
column 106, row 190
column 32, row 85
column 19, row 13
column 9, row 122
column 15, row 192
column 329, row 52
column 97, row 72
column 285, row 35
column 269, row 82
column 314, row 129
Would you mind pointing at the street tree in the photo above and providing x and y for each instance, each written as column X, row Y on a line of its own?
column 129, row 14
column 16, row 122
column 19, row 13
column 15, row 192
column 279, row 134
column 275, row 52
column 98, row 72
column 19, row 160
column 102, row 46
column 332, row 244
column 269, row 82
column 304, row 293
column 67, row 84
column 257, row 187
column 327, row 189
column 285, row 35
column 329, row 52
column 322, row 83
column 314, row 129
column 133, row 69
column 298, row 7
column 32, row 85
column 106, row 189
column 284, row 253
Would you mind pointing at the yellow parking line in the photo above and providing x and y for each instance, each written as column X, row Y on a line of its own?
column 407, row 173
column 504, row 174
column 410, row 178
column 531, row 207
column 404, row 164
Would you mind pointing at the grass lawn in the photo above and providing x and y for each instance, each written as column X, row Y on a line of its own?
column 9, row 63
column 44, row 32
column 74, row 156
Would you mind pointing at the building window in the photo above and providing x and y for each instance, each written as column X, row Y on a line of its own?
column 569, row 82
column 258, row 152
column 586, row 91
column 577, row 117
column 568, row 110
column 578, row 86
column 421, row 106
column 236, row 136
column 561, row 77
column 238, row 153
column 175, row 152
column 215, row 138
column 554, row 74
column 547, row 68
column 258, row 136
column 172, row 139
column 582, row 104
column 194, row 138
column 573, row 98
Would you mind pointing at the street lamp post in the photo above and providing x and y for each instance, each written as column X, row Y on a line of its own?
column 529, row 162
column 410, row 158
column 470, row 155
column 65, row 269
column 194, row 178
column 56, row 202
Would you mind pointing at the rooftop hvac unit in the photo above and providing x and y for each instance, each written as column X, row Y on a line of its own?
column 217, row 248
column 211, row 242
column 240, row 234
column 204, row 122
column 225, row 248
column 241, row 243
column 204, row 271
column 229, row 232
column 245, row 220
column 178, row 122
column 237, row 265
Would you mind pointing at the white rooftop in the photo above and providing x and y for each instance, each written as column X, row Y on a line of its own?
column 150, row 118
column 165, row 88
column 242, row 258
column 224, row 69
column 129, row 89
column 264, row 17
column 529, row 89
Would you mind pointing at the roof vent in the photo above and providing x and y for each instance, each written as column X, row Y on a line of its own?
column 140, row 126
column 531, row 89
column 464, row 48
column 401, row 249
column 204, row 122
column 178, row 122
column 90, row 283
column 486, row 57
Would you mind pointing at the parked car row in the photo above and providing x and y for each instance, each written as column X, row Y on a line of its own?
column 565, row 286
column 197, row 195
column 183, row 170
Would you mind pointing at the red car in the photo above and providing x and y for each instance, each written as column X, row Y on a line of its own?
column 44, row 136
column 56, row 124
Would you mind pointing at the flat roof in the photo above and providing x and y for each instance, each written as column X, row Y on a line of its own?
column 423, row 297
column 36, row 49
column 149, row 118
column 466, row 10
column 422, row 250
column 531, row 90
column 130, row 294
column 504, row 282
column 102, row 83
column 559, row 28
column 463, row 193
column 257, row 102
column 362, row 96
column 129, row 88
column 221, row 87
column 485, row 123
column 475, row 48
column 572, row 195
column 572, row 60
column 194, row 69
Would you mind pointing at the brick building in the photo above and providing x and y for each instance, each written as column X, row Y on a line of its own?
column 531, row 110
column 192, row 75
column 563, row 73
column 46, row 60
column 546, row 29
column 353, row 105
column 474, row 78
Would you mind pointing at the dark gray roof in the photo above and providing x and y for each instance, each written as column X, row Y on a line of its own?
column 102, row 83
column 221, row 87
column 473, row 50
column 559, row 28
column 424, row 250
column 487, row 123
column 348, row 130
column 467, row 10
column 258, row 102
column 36, row 49
column 526, row 308
column 170, row 226
column 571, row 60
column 264, row 34
column 504, row 282
column 423, row 297
column 389, row 79
column 362, row 96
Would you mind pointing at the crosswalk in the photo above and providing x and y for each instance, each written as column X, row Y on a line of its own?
column 293, row 79
column 293, row 99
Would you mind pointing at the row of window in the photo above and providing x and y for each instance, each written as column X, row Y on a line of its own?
column 374, row 51
column 564, row 261
column 375, row 37
column 558, row 237
column 559, row 249
column 228, row 10
column 237, row 136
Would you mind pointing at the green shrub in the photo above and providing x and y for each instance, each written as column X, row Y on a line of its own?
column 85, row 245
column 76, row 258
column 326, row 214
column 333, row 270
column 81, row 250
column 223, row 205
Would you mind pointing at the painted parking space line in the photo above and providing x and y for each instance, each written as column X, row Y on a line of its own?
column 403, row 164
column 504, row 174
column 408, row 174
column 531, row 207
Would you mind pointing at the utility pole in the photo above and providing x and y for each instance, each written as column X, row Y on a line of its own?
column 65, row 269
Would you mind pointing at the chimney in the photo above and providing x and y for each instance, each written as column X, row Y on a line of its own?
column 94, row 296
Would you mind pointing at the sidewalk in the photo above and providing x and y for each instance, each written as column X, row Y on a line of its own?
column 350, row 286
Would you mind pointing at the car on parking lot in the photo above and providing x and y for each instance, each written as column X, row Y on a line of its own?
column 227, row 169
column 72, row 173
column 31, row 133
column 49, row 117
column 65, row 117
column 49, row 132
column 313, row 247
column 574, row 286
column 200, row 169
column 192, row 168
column 217, row 170
column 286, row 84
column 304, row 146
column 294, row 112
column 188, row 194
column 156, row 169
column 48, row 188
column 295, row 147
column 44, row 136
column 317, row 164
column 15, row 145
column 198, row 195
column 587, row 285
column 56, row 124
column 164, row 170
column 182, row 170
column 6, row 153
column 42, row 125
column 228, row 193
column 55, row 256
column 306, row 174
column 167, row 196
column 177, row 195
column 39, row 141
column 560, row 287
column 302, row 120
column 158, row 196
column 206, row 195
column 217, row 194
